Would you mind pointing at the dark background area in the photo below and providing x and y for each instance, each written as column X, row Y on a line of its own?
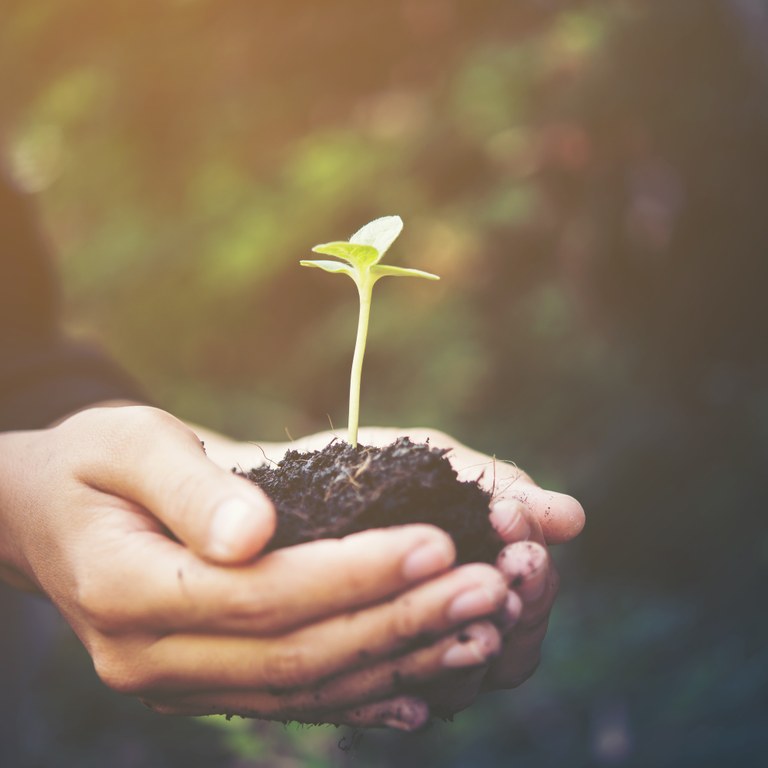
column 591, row 181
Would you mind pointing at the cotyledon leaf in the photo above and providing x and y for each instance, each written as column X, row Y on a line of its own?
column 379, row 233
column 357, row 254
column 384, row 270
column 329, row 266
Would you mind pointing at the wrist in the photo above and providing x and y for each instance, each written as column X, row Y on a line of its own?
column 15, row 509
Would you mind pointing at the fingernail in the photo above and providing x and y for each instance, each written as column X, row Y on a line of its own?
column 403, row 725
column 513, row 608
column 509, row 521
column 464, row 654
column 475, row 602
column 525, row 568
column 428, row 559
column 230, row 522
column 408, row 714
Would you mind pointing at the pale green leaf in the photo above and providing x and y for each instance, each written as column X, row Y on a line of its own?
column 379, row 233
column 384, row 270
column 330, row 266
column 358, row 255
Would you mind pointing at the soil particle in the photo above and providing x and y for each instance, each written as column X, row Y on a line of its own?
column 343, row 489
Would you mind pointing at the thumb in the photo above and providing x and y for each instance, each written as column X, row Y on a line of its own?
column 155, row 460
column 559, row 517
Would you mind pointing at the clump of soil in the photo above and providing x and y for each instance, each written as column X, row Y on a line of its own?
column 343, row 489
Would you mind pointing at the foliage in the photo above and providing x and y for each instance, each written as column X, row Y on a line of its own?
column 361, row 257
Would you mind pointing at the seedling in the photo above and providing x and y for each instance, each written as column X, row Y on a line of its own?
column 360, row 257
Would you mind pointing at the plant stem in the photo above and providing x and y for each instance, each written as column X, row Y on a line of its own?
column 364, row 289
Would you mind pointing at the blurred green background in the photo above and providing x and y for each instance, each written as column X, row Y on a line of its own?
column 589, row 178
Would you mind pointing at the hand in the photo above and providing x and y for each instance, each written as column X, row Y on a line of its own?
column 150, row 551
column 527, row 517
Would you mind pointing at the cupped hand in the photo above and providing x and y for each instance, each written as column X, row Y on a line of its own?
column 528, row 519
column 151, row 552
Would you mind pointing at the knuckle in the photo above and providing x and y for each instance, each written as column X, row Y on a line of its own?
column 118, row 435
column 119, row 420
column 139, row 424
column 97, row 604
column 404, row 621
column 143, row 417
column 186, row 500
column 184, row 490
column 287, row 667
column 253, row 610
column 115, row 673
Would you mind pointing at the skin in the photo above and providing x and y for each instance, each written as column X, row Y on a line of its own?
column 527, row 517
column 150, row 550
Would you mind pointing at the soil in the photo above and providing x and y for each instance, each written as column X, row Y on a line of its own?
column 343, row 489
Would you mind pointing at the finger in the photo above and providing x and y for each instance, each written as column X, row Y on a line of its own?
column 521, row 650
column 472, row 646
column 153, row 459
column 513, row 610
column 525, row 566
column 514, row 522
column 519, row 658
column 404, row 713
column 308, row 655
column 560, row 516
column 173, row 590
column 453, row 692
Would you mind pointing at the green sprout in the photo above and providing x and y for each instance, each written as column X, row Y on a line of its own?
column 360, row 260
